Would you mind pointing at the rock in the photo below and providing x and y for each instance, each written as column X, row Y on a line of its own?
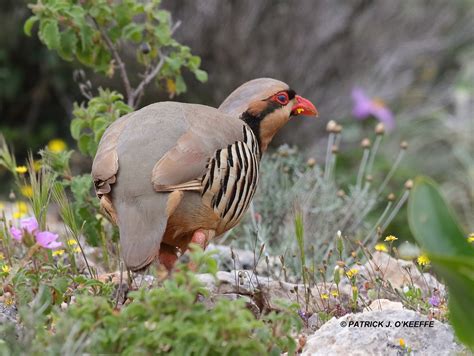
column 8, row 313
column 394, row 272
column 384, row 304
column 243, row 259
column 433, row 338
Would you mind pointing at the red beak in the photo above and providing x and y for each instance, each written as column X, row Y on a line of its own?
column 304, row 107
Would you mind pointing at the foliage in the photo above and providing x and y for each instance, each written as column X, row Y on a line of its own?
column 437, row 230
column 89, row 122
column 172, row 319
column 361, row 209
column 93, row 32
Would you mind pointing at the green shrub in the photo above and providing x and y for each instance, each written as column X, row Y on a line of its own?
column 171, row 319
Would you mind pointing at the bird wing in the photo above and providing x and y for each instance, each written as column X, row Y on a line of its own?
column 183, row 166
column 105, row 164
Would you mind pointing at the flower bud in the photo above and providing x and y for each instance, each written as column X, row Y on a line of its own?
column 380, row 129
column 311, row 162
column 365, row 143
column 331, row 126
column 408, row 184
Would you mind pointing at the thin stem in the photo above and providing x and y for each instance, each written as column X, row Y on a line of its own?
column 118, row 59
column 374, row 150
column 391, row 172
column 149, row 75
column 379, row 221
column 328, row 155
column 395, row 210
column 363, row 164
column 148, row 78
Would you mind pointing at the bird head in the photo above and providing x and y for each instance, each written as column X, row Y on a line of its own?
column 266, row 105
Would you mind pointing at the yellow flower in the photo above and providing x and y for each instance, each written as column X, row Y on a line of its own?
column 351, row 273
column 381, row 247
column 9, row 301
column 401, row 342
column 6, row 268
column 470, row 237
column 2, row 206
column 71, row 242
column 2, row 256
column 21, row 169
column 21, row 210
column 334, row 293
column 76, row 249
column 57, row 145
column 324, row 296
column 58, row 252
column 390, row 238
column 423, row 260
column 26, row 190
column 17, row 215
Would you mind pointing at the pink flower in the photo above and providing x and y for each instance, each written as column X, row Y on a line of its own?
column 29, row 224
column 16, row 233
column 48, row 240
column 364, row 107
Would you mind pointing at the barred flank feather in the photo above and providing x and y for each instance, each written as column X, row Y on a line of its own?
column 231, row 179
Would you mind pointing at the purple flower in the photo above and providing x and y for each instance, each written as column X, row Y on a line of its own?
column 434, row 300
column 48, row 240
column 29, row 224
column 364, row 107
column 16, row 233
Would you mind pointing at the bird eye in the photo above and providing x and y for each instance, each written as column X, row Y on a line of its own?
column 282, row 98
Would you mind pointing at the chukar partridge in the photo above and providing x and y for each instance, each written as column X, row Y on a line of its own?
column 173, row 173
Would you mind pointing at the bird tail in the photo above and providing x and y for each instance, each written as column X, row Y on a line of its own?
column 142, row 223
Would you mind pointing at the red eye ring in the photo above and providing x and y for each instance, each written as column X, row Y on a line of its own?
column 281, row 98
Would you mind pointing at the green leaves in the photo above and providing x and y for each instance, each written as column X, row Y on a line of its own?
column 435, row 227
column 90, row 121
column 171, row 319
column 93, row 32
column 49, row 34
column 29, row 25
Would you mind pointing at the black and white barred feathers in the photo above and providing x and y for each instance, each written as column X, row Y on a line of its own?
column 231, row 178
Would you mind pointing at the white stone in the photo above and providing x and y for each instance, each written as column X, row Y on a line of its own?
column 334, row 339
column 384, row 304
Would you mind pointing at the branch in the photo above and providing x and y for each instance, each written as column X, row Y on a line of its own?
column 118, row 59
column 150, row 75
column 148, row 78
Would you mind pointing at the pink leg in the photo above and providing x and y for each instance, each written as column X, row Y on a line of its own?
column 201, row 238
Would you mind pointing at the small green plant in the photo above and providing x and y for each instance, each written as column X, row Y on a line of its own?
column 171, row 319
column 90, row 121
column 323, row 201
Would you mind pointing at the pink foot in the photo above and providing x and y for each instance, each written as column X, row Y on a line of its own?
column 200, row 238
